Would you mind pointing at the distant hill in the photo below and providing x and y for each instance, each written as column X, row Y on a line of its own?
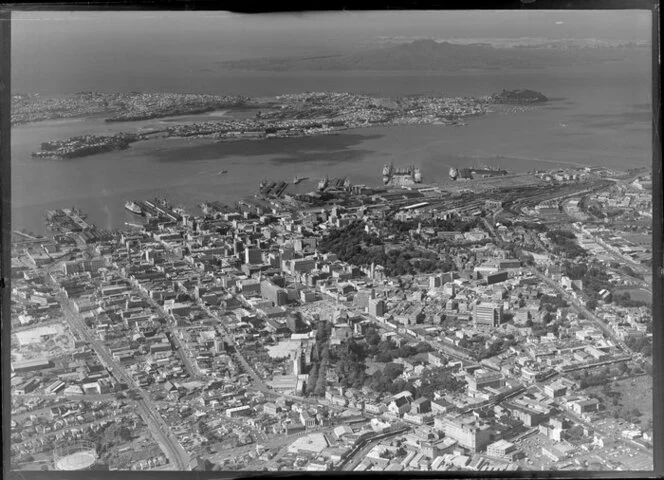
column 519, row 97
column 429, row 55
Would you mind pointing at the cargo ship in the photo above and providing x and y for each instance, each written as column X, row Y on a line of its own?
column 265, row 186
column 401, row 176
column 338, row 183
column 475, row 172
column 268, row 188
column 134, row 207
column 280, row 189
column 322, row 185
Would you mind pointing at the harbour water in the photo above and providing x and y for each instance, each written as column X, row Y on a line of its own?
column 599, row 116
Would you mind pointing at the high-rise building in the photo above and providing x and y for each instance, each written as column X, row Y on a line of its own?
column 376, row 307
column 270, row 291
column 298, row 362
column 295, row 323
column 470, row 432
column 496, row 277
column 302, row 265
column 488, row 315
column 253, row 256
column 219, row 346
column 483, row 378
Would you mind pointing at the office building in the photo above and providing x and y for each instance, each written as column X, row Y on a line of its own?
column 488, row 315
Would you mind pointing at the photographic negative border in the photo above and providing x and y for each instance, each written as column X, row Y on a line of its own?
column 658, row 217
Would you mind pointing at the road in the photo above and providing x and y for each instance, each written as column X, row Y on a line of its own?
column 577, row 306
column 638, row 268
column 585, row 311
column 566, row 295
column 181, row 351
column 176, row 454
column 258, row 382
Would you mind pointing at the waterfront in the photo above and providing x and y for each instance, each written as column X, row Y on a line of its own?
column 564, row 133
column 600, row 114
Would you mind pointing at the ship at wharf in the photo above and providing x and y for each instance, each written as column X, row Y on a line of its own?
column 272, row 189
column 153, row 209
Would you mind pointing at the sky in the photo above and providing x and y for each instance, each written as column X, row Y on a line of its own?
column 57, row 44
column 241, row 36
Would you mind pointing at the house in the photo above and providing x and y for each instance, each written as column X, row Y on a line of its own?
column 436, row 359
column 307, row 420
column 584, row 406
column 271, row 409
column 342, row 430
column 421, row 405
column 441, row 405
column 374, row 408
column 399, row 406
column 557, row 453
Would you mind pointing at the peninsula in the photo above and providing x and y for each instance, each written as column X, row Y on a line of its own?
column 291, row 115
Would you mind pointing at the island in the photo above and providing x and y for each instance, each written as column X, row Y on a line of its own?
column 519, row 97
column 85, row 145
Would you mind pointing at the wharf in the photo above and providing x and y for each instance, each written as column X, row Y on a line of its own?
column 155, row 208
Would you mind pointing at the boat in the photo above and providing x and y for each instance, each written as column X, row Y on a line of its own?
column 265, row 186
column 401, row 176
column 475, row 172
column 134, row 207
column 487, row 171
column 280, row 189
column 387, row 173
column 162, row 201
column 322, row 185
column 297, row 179
column 222, row 172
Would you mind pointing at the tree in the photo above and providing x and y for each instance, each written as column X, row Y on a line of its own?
column 124, row 433
column 393, row 370
column 313, row 378
column 438, row 378
column 320, row 384
column 325, row 356
column 372, row 337
column 423, row 347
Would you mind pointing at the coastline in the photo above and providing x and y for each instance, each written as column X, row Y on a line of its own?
column 298, row 115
